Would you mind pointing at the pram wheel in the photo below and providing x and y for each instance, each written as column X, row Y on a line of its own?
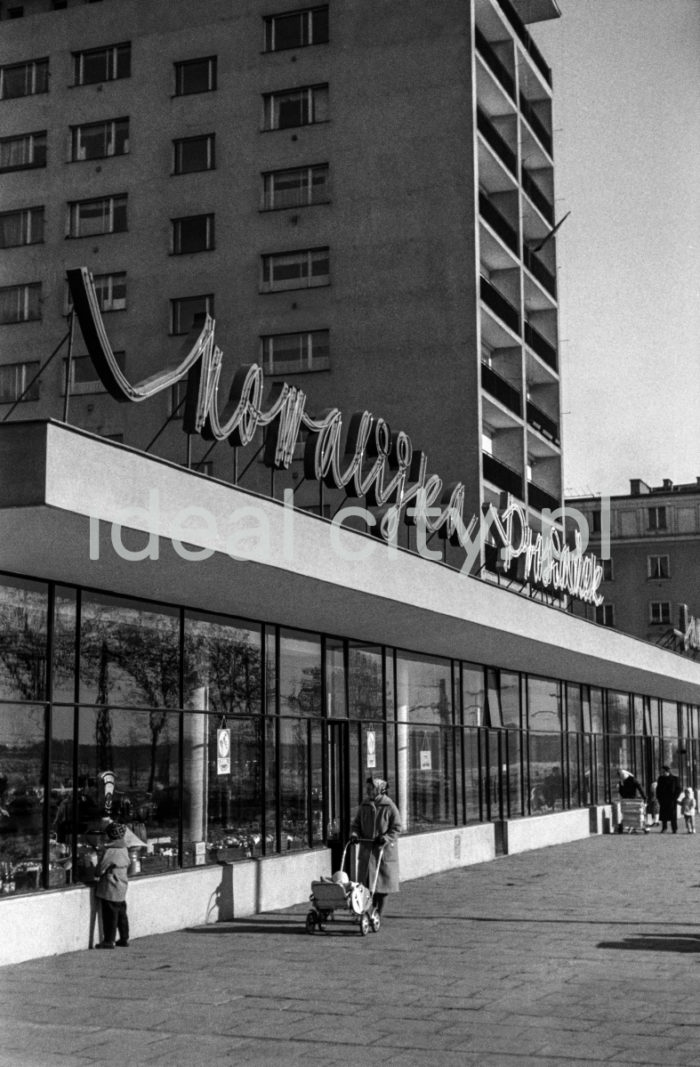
column 364, row 925
column 375, row 920
column 311, row 922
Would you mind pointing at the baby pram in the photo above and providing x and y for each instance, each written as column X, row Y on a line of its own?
column 340, row 893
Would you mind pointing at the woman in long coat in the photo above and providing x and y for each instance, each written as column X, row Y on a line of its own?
column 377, row 825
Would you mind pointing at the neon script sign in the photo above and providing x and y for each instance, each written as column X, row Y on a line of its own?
column 367, row 461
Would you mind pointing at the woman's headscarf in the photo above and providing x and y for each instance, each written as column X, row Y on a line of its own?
column 379, row 784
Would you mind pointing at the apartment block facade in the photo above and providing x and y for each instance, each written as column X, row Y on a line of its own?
column 651, row 584
column 360, row 193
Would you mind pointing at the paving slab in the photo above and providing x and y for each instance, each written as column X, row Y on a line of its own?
column 585, row 953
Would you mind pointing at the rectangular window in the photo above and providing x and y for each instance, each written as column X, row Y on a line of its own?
column 110, row 290
column 27, row 150
column 195, row 76
column 194, row 154
column 24, row 79
column 194, row 233
column 605, row 614
column 660, row 611
column 97, row 140
column 295, row 107
column 184, row 310
column 84, row 378
column 657, row 518
column 102, row 64
column 296, row 29
column 14, row 379
column 20, row 303
column 607, row 565
column 295, row 270
column 658, row 567
column 106, row 214
column 287, row 353
column 297, row 187
column 23, row 227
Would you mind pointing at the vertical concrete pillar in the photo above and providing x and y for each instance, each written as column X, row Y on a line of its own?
column 196, row 766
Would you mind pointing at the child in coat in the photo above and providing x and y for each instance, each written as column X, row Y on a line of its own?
column 111, row 888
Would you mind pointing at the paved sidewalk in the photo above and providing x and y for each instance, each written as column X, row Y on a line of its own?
column 579, row 954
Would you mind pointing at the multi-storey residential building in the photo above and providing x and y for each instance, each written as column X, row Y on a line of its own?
column 650, row 543
column 361, row 194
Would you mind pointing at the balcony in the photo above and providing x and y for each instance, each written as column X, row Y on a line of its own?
column 538, row 198
column 536, row 124
column 493, row 138
column 499, row 305
column 526, row 40
column 498, row 222
column 502, row 476
column 538, row 344
column 538, row 269
column 543, row 423
column 501, row 389
column 541, row 499
column 497, row 68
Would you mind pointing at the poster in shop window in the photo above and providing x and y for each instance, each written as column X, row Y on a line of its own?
column 371, row 750
column 223, row 751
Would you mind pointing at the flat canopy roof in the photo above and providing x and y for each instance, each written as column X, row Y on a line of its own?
column 62, row 491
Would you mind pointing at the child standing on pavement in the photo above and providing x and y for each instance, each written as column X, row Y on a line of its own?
column 688, row 809
column 111, row 888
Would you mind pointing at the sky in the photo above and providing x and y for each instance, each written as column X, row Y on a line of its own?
column 627, row 166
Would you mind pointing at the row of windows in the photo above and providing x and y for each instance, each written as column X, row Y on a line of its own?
column 293, row 187
column 657, row 567
column 657, row 518
column 285, row 353
column 304, row 268
column 110, row 137
column 296, row 29
column 660, row 612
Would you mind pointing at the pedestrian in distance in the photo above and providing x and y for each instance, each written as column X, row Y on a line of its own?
column 688, row 809
column 377, row 826
column 112, row 887
column 632, row 810
column 668, row 791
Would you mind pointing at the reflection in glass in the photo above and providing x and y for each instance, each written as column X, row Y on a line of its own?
column 618, row 712
column 23, row 629
column 544, row 706
column 510, row 698
column 546, row 780
column 129, row 653
column 294, row 799
column 473, row 695
column 300, row 674
column 335, row 678
column 425, row 769
column 472, row 775
column 223, row 658
column 64, row 639
column 365, row 682
column 22, row 800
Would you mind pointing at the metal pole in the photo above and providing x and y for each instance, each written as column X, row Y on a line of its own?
column 69, row 365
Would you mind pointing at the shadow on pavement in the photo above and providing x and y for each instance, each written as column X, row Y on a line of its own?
column 656, row 943
column 255, row 926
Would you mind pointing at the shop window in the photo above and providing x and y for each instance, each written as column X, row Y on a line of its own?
column 304, row 269
column 23, row 152
column 193, row 154
column 195, row 76
column 296, row 29
column 22, row 227
column 365, row 682
column 23, row 624
column 186, row 309
column 619, row 711
column 22, row 735
column 658, row 567
column 660, row 612
column 425, row 715
column 103, row 215
column 194, row 233
column 299, row 681
column 290, row 353
column 296, row 187
column 473, row 695
column 20, row 303
column 295, row 107
column 19, row 380
column 102, row 64
column 97, row 140
column 129, row 652
column 24, row 79
column 510, row 698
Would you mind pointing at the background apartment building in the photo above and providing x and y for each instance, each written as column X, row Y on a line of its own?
column 652, row 576
column 360, row 193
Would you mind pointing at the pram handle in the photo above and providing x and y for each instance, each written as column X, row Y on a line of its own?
column 367, row 841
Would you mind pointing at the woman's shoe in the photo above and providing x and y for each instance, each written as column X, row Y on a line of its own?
column 122, row 944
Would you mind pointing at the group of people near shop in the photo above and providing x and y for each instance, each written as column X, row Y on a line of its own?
column 639, row 812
